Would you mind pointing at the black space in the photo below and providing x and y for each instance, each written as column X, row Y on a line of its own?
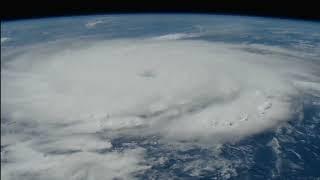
column 21, row 9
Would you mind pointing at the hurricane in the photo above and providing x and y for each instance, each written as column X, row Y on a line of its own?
column 132, row 107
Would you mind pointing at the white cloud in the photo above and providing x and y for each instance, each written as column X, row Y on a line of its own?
column 56, row 104
column 176, row 36
column 5, row 39
column 92, row 24
column 26, row 163
column 211, row 85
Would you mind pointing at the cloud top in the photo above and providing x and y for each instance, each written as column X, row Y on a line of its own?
column 66, row 106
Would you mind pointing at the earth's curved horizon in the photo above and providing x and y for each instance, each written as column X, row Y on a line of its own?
column 158, row 96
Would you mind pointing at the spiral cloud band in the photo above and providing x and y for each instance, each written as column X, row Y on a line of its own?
column 64, row 100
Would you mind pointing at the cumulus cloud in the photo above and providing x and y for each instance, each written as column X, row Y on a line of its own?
column 60, row 110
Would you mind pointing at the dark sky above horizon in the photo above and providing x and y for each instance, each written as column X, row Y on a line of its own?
column 14, row 9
